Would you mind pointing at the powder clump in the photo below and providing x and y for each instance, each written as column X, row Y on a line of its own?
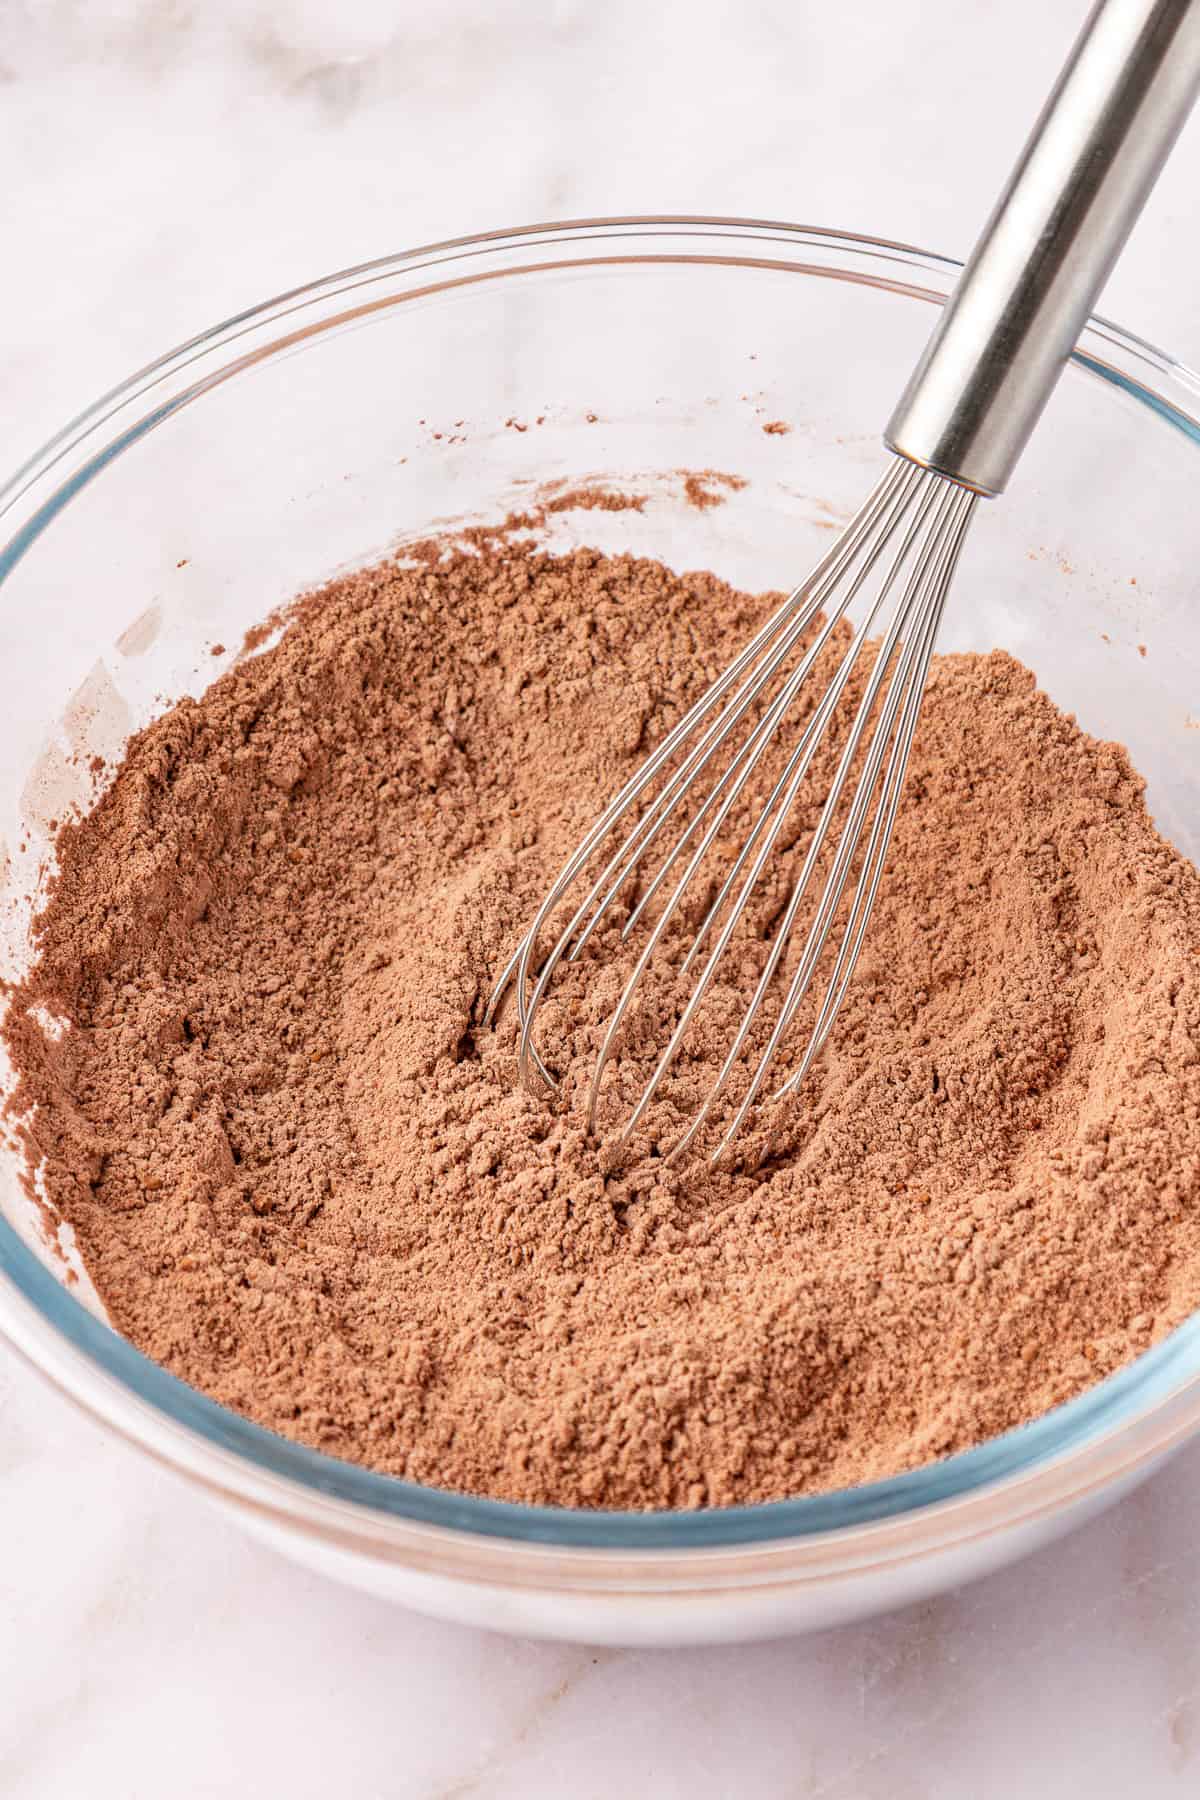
column 300, row 1173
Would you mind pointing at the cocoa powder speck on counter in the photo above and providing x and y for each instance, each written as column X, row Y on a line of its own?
column 302, row 1178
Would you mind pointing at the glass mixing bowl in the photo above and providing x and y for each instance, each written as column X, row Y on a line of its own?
column 311, row 434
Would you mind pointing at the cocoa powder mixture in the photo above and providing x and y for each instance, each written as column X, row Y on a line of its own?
column 301, row 1175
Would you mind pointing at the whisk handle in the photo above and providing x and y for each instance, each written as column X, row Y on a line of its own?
column 1025, row 294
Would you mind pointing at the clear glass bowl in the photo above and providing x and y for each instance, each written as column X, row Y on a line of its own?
column 310, row 434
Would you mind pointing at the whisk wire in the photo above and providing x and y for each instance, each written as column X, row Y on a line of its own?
column 780, row 803
column 924, row 599
column 905, row 541
column 636, row 846
column 734, row 780
column 807, row 600
column 885, row 818
column 748, row 757
column 906, row 607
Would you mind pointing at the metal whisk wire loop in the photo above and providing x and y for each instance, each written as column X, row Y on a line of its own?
column 900, row 548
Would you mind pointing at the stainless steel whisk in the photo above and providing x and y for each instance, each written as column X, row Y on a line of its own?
column 960, row 426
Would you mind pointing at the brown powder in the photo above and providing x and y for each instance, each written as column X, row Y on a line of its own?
column 302, row 1178
column 706, row 488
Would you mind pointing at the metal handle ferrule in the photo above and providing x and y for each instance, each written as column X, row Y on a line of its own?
column 1033, row 277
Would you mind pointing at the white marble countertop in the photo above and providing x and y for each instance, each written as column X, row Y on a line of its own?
column 163, row 166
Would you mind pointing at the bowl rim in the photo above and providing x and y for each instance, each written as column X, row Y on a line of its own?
column 89, row 1361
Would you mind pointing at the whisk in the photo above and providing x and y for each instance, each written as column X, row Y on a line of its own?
column 955, row 436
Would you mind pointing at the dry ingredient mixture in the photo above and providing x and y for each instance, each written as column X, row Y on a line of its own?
column 300, row 1173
